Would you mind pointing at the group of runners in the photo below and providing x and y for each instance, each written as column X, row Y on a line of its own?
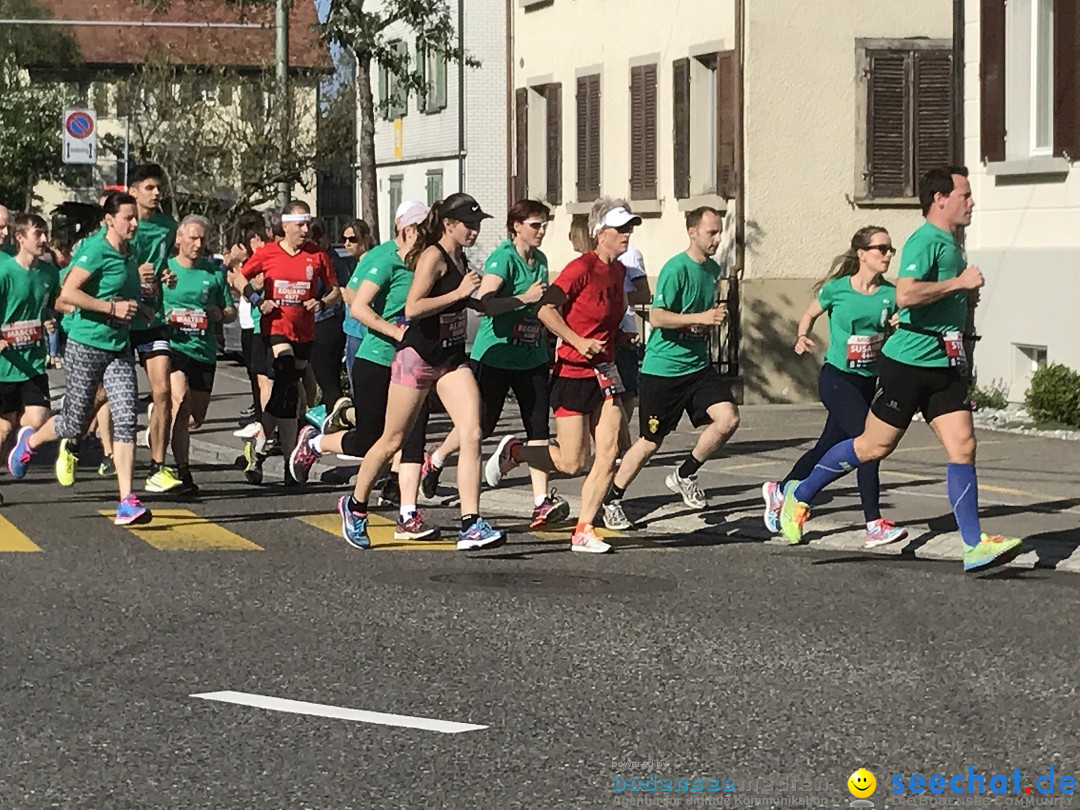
column 141, row 285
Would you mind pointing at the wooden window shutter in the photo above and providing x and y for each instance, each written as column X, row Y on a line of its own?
column 594, row 136
column 648, row 157
column 588, row 140
column 992, row 79
column 553, row 94
column 637, row 133
column 725, row 123
column 1066, row 79
column 932, row 104
column 681, row 126
column 888, row 126
column 521, row 142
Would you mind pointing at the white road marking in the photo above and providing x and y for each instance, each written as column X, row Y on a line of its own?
column 338, row 713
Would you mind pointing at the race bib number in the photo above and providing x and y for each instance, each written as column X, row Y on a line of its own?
column 610, row 380
column 954, row 348
column 863, row 351
column 695, row 332
column 452, row 326
column 189, row 321
column 526, row 333
column 291, row 293
column 22, row 334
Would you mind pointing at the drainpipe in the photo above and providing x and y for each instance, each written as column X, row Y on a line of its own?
column 958, row 82
column 735, row 283
column 510, row 168
column 461, row 95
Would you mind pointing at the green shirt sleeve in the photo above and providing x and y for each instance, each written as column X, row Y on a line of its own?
column 88, row 258
column 919, row 261
column 223, row 298
column 498, row 266
column 378, row 273
column 668, row 293
column 825, row 297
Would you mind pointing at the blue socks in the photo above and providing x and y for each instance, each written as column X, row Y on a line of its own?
column 963, row 492
column 838, row 461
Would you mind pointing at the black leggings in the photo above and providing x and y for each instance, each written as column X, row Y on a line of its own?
column 530, row 387
column 246, row 337
column 847, row 398
column 326, row 357
column 373, row 381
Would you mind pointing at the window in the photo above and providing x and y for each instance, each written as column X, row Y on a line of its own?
column 643, row 132
column 538, row 143
column 433, row 66
column 395, row 200
column 434, row 186
column 393, row 96
column 704, row 107
column 588, row 137
column 906, row 103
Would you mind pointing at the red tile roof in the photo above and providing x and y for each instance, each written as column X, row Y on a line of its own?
column 127, row 45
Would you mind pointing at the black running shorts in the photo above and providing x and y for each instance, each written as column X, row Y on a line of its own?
column 663, row 400
column 905, row 390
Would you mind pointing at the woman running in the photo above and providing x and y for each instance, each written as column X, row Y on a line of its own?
column 861, row 306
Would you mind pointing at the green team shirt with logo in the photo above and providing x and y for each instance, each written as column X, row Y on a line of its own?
column 684, row 286
column 393, row 279
column 26, row 296
column 513, row 339
column 857, row 324
column 113, row 276
column 930, row 254
column 153, row 242
column 352, row 326
column 191, row 332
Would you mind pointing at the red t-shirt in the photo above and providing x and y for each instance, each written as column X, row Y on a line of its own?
column 595, row 303
column 290, row 281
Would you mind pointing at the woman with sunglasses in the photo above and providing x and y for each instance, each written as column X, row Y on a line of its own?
column 510, row 350
column 861, row 306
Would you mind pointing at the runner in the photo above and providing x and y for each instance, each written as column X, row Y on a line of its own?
column 583, row 308
column 510, row 351
column 861, row 306
column 154, row 240
column 379, row 305
column 922, row 369
column 356, row 236
column 676, row 375
column 199, row 298
column 291, row 267
column 103, row 288
column 245, row 243
column 628, row 347
column 432, row 354
column 328, row 349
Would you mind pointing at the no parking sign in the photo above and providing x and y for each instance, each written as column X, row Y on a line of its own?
column 80, row 136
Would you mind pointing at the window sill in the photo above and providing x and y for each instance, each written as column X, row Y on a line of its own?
column 699, row 200
column 575, row 209
column 886, row 202
column 1031, row 167
column 644, row 208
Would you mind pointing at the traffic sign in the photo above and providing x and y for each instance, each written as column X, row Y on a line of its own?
column 79, row 136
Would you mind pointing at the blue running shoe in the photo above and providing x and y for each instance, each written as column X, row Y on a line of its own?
column 353, row 526
column 21, row 454
column 131, row 510
column 480, row 535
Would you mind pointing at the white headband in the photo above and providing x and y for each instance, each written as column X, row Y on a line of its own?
column 296, row 217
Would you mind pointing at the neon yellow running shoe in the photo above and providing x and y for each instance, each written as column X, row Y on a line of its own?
column 991, row 550
column 163, row 480
column 66, row 461
column 793, row 515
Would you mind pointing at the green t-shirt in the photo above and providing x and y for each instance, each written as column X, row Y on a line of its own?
column 684, row 286
column 191, row 332
column 930, row 254
column 514, row 339
column 857, row 324
column 352, row 326
column 393, row 279
column 153, row 242
column 26, row 296
column 113, row 276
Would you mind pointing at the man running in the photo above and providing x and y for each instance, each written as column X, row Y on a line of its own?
column 922, row 369
column 676, row 375
column 199, row 299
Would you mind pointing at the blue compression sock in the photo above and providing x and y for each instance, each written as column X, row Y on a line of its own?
column 838, row 461
column 963, row 489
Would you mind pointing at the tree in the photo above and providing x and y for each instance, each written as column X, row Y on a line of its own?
column 364, row 32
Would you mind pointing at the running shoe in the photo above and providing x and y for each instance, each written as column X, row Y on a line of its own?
column 793, row 515
column 253, row 463
column 415, row 528
column 615, row 518
column 589, row 542
column 163, row 480
column 881, row 532
column 992, row 550
column 390, row 494
column 303, row 458
column 131, row 510
column 316, row 416
column 107, row 467
column 480, row 535
column 774, row 501
column 353, row 526
column 187, row 482
column 336, row 421
column 272, row 447
column 249, row 431
column 553, row 510
column 687, row 488
column 502, row 461
column 66, row 462
column 20, row 456
column 429, row 477
column 248, row 412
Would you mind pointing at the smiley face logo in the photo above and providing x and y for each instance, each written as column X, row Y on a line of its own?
column 862, row 784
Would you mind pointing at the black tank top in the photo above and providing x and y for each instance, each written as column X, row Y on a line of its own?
column 440, row 338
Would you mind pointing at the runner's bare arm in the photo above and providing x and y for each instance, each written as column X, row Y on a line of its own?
column 362, row 311
column 804, row 342
column 913, row 293
column 666, row 319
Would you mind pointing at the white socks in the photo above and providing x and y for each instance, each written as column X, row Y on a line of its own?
column 437, row 462
column 406, row 511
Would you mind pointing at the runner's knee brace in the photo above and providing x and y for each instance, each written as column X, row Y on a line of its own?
column 285, row 395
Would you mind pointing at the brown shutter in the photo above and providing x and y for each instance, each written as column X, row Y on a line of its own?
column 588, row 132
column 594, row 136
column 932, row 88
column 681, row 115
column 638, row 134
column 553, row 94
column 992, row 79
column 888, row 153
column 648, row 164
column 1066, row 79
column 521, row 140
column 725, row 124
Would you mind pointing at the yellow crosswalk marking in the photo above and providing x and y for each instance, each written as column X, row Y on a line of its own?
column 381, row 532
column 183, row 530
column 11, row 539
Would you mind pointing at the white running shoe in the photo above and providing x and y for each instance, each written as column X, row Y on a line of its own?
column 688, row 488
column 248, row 431
column 588, row 542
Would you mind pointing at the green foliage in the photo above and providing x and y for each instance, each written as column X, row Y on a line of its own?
column 1054, row 395
column 993, row 396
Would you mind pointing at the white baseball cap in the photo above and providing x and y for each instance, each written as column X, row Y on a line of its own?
column 410, row 212
column 616, row 218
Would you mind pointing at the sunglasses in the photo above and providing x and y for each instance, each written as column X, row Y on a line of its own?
column 536, row 224
column 350, row 239
column 625, row 229
column 884, row 250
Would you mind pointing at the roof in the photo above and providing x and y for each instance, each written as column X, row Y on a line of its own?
column 210, row 47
